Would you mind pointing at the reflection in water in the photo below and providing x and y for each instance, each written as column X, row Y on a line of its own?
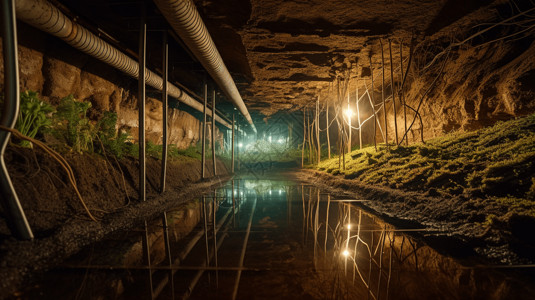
column 270, row 239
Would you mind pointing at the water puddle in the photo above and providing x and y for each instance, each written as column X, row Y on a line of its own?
column 268, row 239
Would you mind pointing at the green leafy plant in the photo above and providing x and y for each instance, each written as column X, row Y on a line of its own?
column 34, row 116
column 72, row 123
column 113, row 141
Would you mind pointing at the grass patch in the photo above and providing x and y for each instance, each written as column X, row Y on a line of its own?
column 497, row 163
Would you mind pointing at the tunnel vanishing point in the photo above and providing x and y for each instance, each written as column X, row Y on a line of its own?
column 242, row 149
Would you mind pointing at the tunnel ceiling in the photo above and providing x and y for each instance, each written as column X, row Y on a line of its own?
column 290, row 51
column 282, row 53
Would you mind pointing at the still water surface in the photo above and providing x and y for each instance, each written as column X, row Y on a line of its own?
column 272, row 239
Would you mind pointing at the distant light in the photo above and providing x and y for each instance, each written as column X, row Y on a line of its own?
column 345, row 253
column 348, row 226
column 269, row 138
column 280, row 192
column 348, row 112
column 270, row 192
column 281, row 140
column 240, row 145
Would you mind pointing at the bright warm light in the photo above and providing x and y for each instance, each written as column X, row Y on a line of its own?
column 348, row 226
column 345, row 253
column 348, row 112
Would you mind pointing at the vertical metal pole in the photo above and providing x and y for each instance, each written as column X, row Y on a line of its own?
column 141, row 105
column 232, row 165
column 393, row 92
column 327, row 131
column 213, row 133
column 233, row 206
column 238, row 141
column 318, row 128
column 203, row 158
column 349, row 123
column 383, row 92
column 372, row 102
column 165, row 61
column 16, row 219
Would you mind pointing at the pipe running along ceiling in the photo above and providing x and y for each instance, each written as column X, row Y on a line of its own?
column 187, row 23
column 46, row 17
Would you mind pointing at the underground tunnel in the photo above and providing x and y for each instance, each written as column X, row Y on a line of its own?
column 267, row 149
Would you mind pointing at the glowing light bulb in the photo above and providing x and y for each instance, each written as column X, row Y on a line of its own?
column 345, row 253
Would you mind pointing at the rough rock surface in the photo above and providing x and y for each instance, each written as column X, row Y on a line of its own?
column 56, row 70
column 296, row 50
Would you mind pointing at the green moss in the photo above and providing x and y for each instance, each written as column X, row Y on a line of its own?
column 497, row 161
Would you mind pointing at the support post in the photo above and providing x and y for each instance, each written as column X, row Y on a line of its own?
column 203, row 158
column 214, row 162
column 165, row 104
column 232, row 162
column 318, row 128
column 141, row 106
column 393, row 92
column 401, row 96
column 327, row 131
column 16, row 219
column 358, row 116
column 348, row 122
column 372, row 102
column 304, row 138
column 383, row 91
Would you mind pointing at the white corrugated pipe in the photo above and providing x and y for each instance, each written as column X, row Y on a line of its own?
column 187, row 23
column 46, row 17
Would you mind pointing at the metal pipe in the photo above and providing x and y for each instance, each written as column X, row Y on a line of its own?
column 165, row 62
column 42, row 15
column 187, row 23
column 214, row 162
column 203, row 158
column 16, row 219
column 141, row 107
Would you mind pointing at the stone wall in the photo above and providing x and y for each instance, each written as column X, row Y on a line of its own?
column 55, row 70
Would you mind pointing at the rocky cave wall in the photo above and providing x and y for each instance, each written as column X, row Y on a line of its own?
column 55, row 70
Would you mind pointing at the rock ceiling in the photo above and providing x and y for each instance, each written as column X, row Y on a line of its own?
column 287, row 52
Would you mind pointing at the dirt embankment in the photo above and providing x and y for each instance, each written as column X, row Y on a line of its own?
column 109, row 189
column 476, row 187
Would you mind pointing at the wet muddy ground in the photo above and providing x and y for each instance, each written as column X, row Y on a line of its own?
column 271, row 242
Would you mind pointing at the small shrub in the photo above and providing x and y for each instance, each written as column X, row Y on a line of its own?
column 72, row 124
column 34, row 116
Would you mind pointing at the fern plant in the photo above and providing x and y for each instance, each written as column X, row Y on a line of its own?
column 72, row 122
column 34, row 116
